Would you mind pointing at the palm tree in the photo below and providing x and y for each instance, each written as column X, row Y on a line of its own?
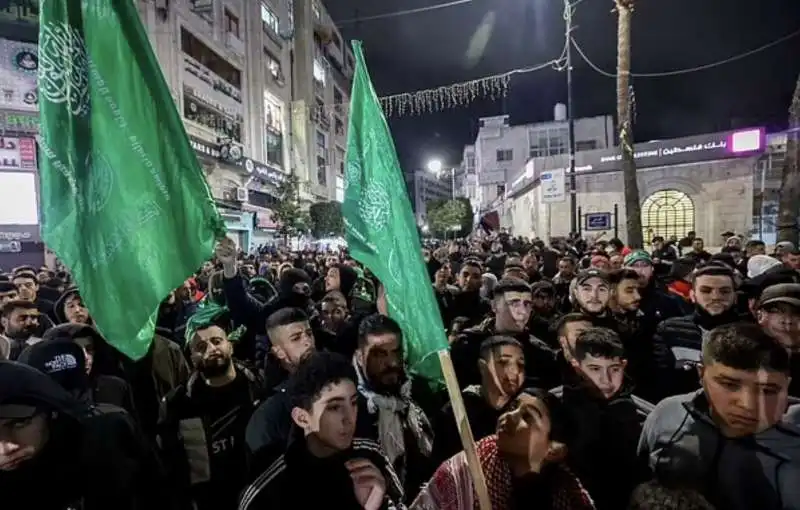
column 790, row 180
column 633, row 209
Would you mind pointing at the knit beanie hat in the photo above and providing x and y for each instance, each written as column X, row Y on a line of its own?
column 759, row 264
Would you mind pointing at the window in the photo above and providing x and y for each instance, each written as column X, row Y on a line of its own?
column 273, row 123
column 470, row 162
column 269, row 19
column 505, row 155
column 501, row 190
column 350, row 61
column 273, row 65
column 337, row 41
column 322, row 171
column 319, row 72
column 587, row 145
column 338, row 97
column 321, row 141
column 340, row 156
column 667, row 213
column 208, row 58
column 231, row 23
column 338, row 127
column 224, row 124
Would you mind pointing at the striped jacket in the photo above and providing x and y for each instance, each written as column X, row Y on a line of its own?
column 297, row 481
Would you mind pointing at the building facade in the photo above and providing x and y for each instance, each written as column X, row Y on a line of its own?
column 20, row 239
column 322, row 70
column 228, row 65
column 501, row 149
column 703, row 183
column 424, row 186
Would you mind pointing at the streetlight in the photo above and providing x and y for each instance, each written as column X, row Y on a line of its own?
column 435, row 167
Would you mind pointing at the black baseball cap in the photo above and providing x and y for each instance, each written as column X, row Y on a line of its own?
column 591, row 273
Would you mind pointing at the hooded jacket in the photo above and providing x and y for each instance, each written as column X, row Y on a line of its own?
column 682, row 444
column 91, row 460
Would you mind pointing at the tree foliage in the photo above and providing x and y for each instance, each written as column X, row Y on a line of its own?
column 289, row 213
column 444, row 215
column 326, row 219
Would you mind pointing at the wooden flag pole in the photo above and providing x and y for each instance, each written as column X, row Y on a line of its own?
column 464, row 431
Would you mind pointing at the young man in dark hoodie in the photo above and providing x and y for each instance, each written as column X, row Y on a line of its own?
column 58, row 453
column 609, row 419
column 325, row 465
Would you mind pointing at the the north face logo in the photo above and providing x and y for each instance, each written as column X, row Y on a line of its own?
column 61, row 362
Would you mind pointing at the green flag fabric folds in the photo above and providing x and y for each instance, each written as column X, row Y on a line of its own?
column 124, row 202
column 380, row 228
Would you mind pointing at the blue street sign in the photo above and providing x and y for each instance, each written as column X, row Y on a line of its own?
column 598, row 221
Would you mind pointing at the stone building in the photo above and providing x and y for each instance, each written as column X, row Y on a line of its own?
column 701, row 183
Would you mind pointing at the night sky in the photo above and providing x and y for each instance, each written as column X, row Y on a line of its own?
column 417, row 51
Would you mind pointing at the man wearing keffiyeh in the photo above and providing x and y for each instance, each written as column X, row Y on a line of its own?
column 398, row 423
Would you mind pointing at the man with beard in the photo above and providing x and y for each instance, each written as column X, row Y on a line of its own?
column 512, row 303
column 203, row 422
column 544, row 313
column 591, row 295
column 657, row 304
column 20, row 322
column 678, row 341
column 390, row 414
column 292, row 340
column 333, row 308
column 502, row 368
column 627, row 320
column 530, row 263
column 467, row 301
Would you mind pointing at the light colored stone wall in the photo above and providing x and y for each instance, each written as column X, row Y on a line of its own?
column 721, row 191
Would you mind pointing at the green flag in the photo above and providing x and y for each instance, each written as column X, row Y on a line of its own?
column 124, row 202
column 380, row 228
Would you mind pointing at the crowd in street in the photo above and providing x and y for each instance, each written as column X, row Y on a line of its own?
column 593, row 376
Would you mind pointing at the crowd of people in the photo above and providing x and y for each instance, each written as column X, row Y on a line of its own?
column 593, row 376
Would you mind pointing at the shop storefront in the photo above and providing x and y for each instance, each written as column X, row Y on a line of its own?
column 239, row 225
column 263, row 198
column 20, row 240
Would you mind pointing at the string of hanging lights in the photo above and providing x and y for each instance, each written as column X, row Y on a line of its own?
column 446, row 97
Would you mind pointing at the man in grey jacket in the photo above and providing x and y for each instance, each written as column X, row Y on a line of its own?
column 728, row 440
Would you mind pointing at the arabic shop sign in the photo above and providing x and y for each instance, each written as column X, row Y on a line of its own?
column 264, row 172
column 678, row 151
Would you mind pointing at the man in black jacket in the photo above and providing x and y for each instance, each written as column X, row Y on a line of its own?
column 677, row 344
column 202, row 425
column 58, row 453
column 609, row 419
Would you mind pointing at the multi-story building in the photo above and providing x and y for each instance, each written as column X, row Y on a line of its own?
column 424, row 186
column 323, row 69
column 500, row 149
column 227, row 63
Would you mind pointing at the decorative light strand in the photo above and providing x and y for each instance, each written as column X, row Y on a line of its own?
column 446, row 97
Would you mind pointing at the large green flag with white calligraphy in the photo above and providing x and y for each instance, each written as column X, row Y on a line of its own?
column 380, row 228
column 124, row 202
